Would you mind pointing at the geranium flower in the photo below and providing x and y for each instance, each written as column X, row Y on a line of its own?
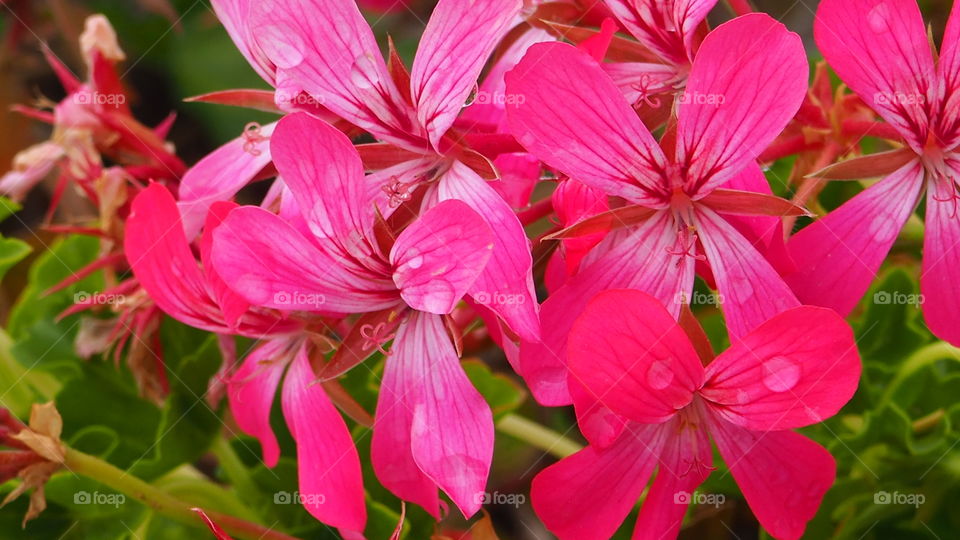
column 747, row 81
column 796, row 369
column 881, row 51
column 432, row 427
column 332, row 55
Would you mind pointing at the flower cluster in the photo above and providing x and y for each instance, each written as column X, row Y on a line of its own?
column 405, row 211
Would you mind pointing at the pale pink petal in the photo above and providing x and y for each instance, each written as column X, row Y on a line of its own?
column 456, row 44
column 433, row 410
column 328, row 467
column 794, row 370
column 326, row 48
column 323, row 171
column 948, row 69
column 686, row 460
column 250, row 392
column 440, row 255
column 880, row 50
column 506, row 283
column 640, row 81
column 543, row 362
column 838, row 255
column 270, row 263
column 588, row 495
column 747, row 81
column 235, row 16
column 750, row 289
column 632, row 356
column 488, row 110
column 221, row 174
column 782, row 474
column 665, row 26
column 569, row 114
column 940, row 280
column 231, row 304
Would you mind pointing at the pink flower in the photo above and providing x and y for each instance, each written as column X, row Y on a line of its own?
column 332, row 55
column 794, row 370
column 881, row 51
column 684, row 205
column 330, row 254
column 161, row 259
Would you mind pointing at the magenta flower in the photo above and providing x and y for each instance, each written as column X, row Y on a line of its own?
column 161, row 259
column 332, row 55
column 881, row 51
column 796, row 369
column 747, row 81
column 432, row 428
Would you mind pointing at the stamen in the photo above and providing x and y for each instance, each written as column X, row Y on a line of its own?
column 397, row 192
column 374, row 336
column 251, row 138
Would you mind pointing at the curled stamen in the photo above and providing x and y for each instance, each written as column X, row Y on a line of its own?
column 397, row 192
column 251, row 138
column 686, row 245
column 374, row 336
column 646, row 95
column 953, row 197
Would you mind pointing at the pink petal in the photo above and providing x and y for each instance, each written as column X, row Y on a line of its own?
column 641, row 81
column 235, row 16
column 588, row 495
column 324, row 172
column 250, row 392
column 333, row 56
column 574, row 201
column 438, row 257
column 794, row 370
column 457, row 42
column 782, row 474
column 685, row 462
column 443, row 420
column 330, row 481
column 161, row 260
column 231, row 304
column 940, row 282
column 506, row 283
column 519, row 174
column 633, row 357
column 880, row 50
column 751, row 290
column 747, row 81
column 948, row 69
column 543, row 362
column 220, row 175
column 571, row 115
column 269, row 263
column 838, row 255
column 666, row 27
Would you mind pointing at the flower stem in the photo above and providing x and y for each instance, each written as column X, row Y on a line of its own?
column 539, row 436
column 160, row 501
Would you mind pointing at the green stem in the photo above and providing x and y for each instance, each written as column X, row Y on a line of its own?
column 918, row 360
column 536, row 435
column 160, row 501
column 234, row 468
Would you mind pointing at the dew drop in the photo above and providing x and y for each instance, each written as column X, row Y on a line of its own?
column 473, row 96
column 881, row 228
column 780, row 374
column 364, row 71
column 660, row 375
column 877, row 18
column 415, row 262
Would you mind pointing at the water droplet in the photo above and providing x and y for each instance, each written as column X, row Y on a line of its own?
column 473, row 96
column 877, row 18
column 780, row 373
column 660, row 375
column 527, row 139
column 415, row 262
column 882, row 228
column 283, row 47
column 364, row 71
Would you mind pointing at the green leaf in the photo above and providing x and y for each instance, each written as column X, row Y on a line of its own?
column 503, row 394
column 12, row 251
